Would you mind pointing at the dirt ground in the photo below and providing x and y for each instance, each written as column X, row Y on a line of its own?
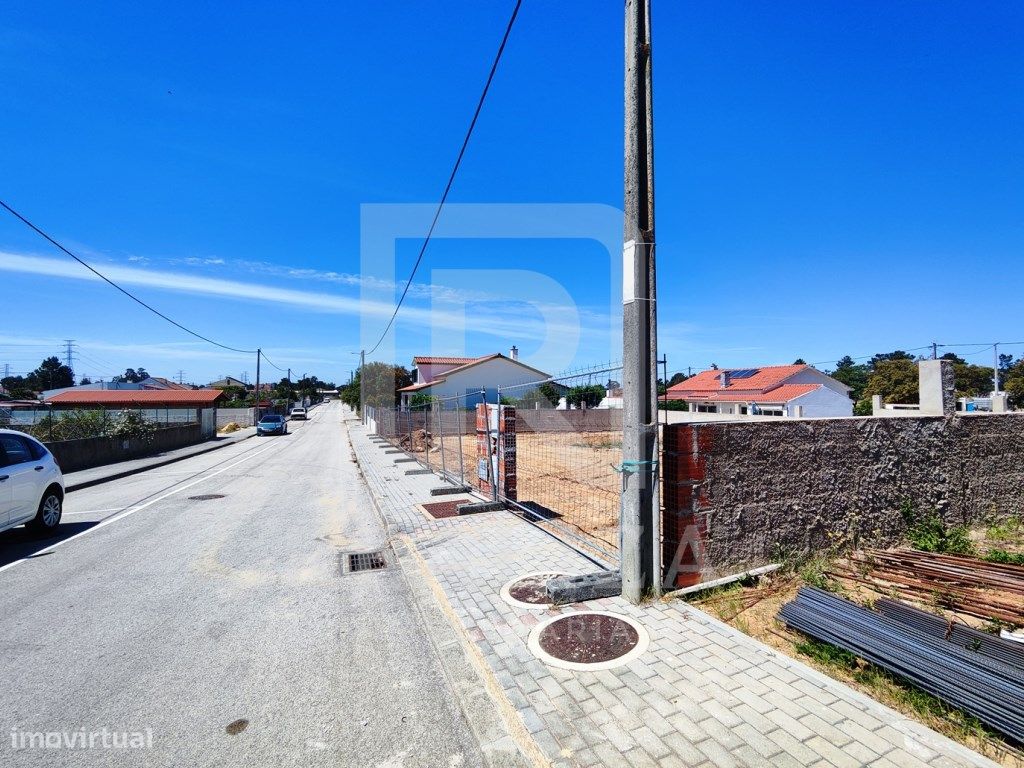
column 752, row 609
column 567, row 476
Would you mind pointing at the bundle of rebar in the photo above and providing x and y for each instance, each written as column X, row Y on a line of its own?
column 953, row 631
column 988, row 689
column 964, row 584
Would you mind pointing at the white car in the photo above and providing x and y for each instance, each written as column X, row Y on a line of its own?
column 298, row 413
column 31, row 484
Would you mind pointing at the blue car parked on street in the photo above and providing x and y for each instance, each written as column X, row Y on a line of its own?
column 272, row 424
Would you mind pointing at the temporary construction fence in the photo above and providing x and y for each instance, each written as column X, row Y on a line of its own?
column 550, row 449
column 440, row 434
column 567, row 438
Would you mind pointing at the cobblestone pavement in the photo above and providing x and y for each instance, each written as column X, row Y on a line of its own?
column 703, row 694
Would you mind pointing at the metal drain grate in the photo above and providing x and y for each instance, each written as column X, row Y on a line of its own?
column 206, row 497
column 364, row 561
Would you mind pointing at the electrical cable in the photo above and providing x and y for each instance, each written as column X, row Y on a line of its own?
column 275, row 365
column 127, row 293
column 451, row 178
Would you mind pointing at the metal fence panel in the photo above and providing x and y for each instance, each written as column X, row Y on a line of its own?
column 568, row 443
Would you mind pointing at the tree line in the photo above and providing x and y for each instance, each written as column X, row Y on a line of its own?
column 894, row 376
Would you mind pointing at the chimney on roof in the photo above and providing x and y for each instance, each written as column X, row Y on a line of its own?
column 514, row 352
column 723, row 378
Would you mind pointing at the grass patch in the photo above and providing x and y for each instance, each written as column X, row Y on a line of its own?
column 1002, row 556
column 1006, row 530
column 814, row 572
column 826, row 653
column 930, row 534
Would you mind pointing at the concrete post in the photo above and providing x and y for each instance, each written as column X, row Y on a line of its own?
column 877, row 406
column 639, row 512
column 999, row 403
column 937, row 387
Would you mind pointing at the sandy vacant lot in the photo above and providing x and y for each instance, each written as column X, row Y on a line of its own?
column 566, row 477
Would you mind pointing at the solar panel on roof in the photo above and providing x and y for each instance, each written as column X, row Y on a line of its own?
column 743, row 373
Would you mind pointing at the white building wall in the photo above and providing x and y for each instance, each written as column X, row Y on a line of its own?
column 813, row 376
column 821, row 403
column 489, row 376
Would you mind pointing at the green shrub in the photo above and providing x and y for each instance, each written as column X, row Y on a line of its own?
column 1002, row 556
column 930, row 534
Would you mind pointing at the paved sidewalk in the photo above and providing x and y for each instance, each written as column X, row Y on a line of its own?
column 703, row 694
column 85, row 478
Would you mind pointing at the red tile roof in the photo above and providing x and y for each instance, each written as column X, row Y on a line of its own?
column 782, row 394
column 419, row 359
column 764, row 379
column 170, row 398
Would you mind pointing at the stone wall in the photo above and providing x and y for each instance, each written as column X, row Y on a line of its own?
column 749, row 494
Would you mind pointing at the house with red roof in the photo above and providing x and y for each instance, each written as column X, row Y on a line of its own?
column 772, row 390
column 465, row 381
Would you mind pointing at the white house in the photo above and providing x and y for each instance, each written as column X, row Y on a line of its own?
column 773, row 390
column 462, row 382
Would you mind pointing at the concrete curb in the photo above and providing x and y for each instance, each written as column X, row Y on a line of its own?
column 504, row 741
column 154, row 465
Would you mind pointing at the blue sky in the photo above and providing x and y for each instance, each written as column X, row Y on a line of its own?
column 832, row 178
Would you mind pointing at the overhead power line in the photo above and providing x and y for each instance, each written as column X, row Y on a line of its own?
column 272, row 363
column 110, row 282
column 451, row 178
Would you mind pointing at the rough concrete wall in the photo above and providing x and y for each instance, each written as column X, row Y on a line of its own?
column 762, row 491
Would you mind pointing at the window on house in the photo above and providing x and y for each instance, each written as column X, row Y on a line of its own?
column 707, row 408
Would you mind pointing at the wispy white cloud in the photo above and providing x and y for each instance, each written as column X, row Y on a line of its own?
column 493, row 319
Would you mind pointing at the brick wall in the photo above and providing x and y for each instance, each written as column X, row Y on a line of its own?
column 746, row 494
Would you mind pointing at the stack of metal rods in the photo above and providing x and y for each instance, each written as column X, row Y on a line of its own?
column 965, row 584
column 955, row 569
column 988, row 689
column 954, row 632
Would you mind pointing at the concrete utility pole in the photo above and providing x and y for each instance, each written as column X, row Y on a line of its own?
column 640, row 521
column 256, row 410
column 935, row 351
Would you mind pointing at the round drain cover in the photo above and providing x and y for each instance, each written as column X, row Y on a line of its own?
column 590, row 640
column 530, row 590
column 206, row 496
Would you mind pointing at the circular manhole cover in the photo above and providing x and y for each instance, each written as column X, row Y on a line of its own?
column 530, row 590
column 588, row 641
column 206, row 497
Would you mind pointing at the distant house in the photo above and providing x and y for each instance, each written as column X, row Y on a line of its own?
column 96, row 386
column 773, row 390
column 159, row 382
column 227, row 381
column 464, row 381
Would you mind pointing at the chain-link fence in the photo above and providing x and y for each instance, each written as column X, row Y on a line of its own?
column 568, row 452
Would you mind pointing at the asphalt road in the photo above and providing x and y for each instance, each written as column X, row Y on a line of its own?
column 173, row 619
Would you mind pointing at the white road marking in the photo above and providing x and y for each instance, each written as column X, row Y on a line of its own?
column 137, row 508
